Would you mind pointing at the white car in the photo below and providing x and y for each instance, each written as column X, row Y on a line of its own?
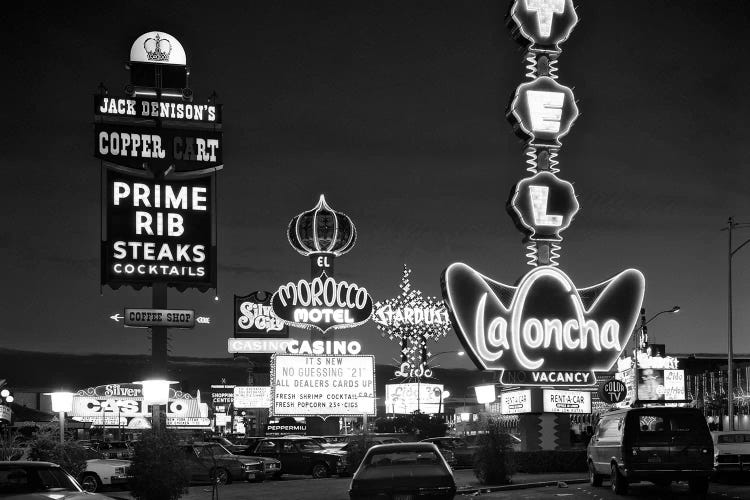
column 101, row 471
column 731, row 451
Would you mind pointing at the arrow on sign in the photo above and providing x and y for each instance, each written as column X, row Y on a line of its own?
column 117, row 317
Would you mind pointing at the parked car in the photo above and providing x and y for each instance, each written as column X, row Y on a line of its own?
column 208, row 462
column 731, row 451
column 111, row 449
column 234, row 448
column 301, row 455
column 101, row 471
column 39, row 480
column 458, row 447
column 657, row 444
column 404, row 470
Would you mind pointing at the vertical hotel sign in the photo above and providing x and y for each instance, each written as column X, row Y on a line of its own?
column 160, row 153
column 543, row 330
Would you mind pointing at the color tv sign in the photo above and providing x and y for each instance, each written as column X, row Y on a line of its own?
column 544, row 331
column 159, row 231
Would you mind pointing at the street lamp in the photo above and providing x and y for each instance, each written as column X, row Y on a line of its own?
column 443, row 395
column 731, row 225
column 638, row 340
column 485, row 393
column 62, row 402
column 155, row 393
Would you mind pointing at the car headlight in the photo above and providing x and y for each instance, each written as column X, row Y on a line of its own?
column 251, row 467
column 120, row 471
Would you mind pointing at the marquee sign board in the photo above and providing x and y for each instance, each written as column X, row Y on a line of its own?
column 254, row 396
column 159, row 232
column 409, row 397
column 132, row 146
column 545, row 326
column 5, row 413
column 544, row 23
column 108, row 106
column 323, row 386
column 661, row 385
column 322, row 303
column 120, row 404
column 171, row 318
column 253, row 317
column 514, row 402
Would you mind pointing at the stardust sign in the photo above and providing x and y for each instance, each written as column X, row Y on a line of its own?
column 545, row 327
column 159, row 232
column 322, row 303
column 322, row 385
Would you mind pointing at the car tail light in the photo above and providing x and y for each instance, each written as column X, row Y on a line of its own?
column 438, row 490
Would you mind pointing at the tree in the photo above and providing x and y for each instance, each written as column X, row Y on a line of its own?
column 69, row 455
column 493, row 462
column 159, row 467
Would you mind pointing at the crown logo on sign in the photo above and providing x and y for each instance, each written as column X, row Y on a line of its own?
column 157, row 48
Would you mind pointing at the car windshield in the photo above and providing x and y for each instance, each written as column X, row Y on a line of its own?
column 212, row 450
column 17, row 479
column 309, row 445
column 405, row 457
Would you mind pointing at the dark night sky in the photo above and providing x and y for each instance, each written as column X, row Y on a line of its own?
column 394, row 110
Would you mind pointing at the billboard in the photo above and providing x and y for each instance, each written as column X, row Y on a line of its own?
column 255, row 396
column 556, row 401
column 410, row 397
column 656, row 384
column 121, row 404
column 513, row 402
column 126, row 107
column 322, row 385
column 159, row 231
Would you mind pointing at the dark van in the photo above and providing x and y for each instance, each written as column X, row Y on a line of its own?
column 657, row 444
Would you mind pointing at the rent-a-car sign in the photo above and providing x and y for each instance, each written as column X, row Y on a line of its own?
column 322, row 385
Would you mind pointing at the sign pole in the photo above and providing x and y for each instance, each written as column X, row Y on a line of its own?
column 158, row 348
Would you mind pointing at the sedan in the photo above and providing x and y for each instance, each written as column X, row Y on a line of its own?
column 731, row 451
column 40, row 480
column 403, row 471
column 462, row 451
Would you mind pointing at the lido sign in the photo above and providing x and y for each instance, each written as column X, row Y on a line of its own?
column 322, row 303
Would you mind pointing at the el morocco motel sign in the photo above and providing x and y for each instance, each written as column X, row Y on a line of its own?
column 544, row 331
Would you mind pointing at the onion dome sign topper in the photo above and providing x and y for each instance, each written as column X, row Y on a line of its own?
column 323, row 302
column 543, row 330
column 412, row 319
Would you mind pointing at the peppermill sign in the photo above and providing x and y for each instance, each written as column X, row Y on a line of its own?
column 543, row 330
